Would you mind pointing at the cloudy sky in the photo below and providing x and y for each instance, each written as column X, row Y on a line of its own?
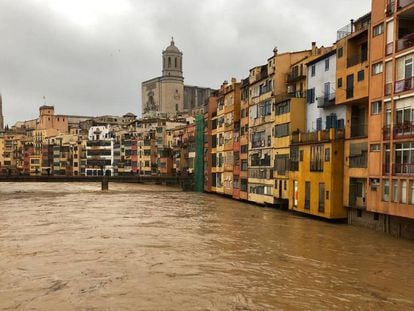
column 89, row 57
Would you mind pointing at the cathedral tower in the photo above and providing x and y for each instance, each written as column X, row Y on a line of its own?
column 172, row 61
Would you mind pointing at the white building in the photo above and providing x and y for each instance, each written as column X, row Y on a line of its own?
column 100, row 151
column 322, row 111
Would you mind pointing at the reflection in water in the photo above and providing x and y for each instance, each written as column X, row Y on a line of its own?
column 70, row 246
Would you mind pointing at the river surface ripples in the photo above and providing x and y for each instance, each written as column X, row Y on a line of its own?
column 142, row 247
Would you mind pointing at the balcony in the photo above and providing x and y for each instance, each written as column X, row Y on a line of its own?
column 359, row 130
column 294, row 77
column 404, row 85
column 390, row 8
column 326, row 101
column 294, row 166
column 315, row 137
column 403, row 169
column 403, row 3
column 386, row 170
column 405, row 42
column 261, row 173
column 359, row 161
column 389, row 48
column 356, row 59
column 405, row 130
column 388, row 89
column 386, row 132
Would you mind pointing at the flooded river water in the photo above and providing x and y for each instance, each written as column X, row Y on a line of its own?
column 72, row 247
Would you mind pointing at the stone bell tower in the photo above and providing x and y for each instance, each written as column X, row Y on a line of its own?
column 172, row 61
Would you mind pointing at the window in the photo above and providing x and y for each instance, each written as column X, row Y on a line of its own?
column 281, row 164
column 404, row 191
column 375, row 148
column 412, row 193
column 319, row 124
column 301, row 156
column 327, row 64
column 376, row 107
column 321, row 206
column 376, row 68
column 339, row 82
column 327, row 154
column 361, row 75
column 307, row 194
column 282, row 130
column 340, row 52
column 316, row 159
column 395, row 191
column 313, row 70
column 311, row 96
column 378, row 30
column 282, row 108
column 244, row 148
column 386, row 190
column 244, row 165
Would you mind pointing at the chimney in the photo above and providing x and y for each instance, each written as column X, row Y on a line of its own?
column 352, row 25
column 314, row 49
column 233, row 80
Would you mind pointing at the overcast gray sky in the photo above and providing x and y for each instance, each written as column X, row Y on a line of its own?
column 89, row 57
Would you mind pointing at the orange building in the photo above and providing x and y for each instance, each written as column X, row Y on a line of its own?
column 391, row 116
column 352, row 90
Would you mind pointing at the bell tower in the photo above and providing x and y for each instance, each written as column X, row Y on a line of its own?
column 172, row 61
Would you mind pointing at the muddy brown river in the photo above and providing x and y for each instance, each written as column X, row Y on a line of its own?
column 72, row 247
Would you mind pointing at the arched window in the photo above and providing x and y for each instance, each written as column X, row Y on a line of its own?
column 175, row 62
column 169, row 62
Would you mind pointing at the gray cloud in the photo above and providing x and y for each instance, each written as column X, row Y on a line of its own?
column 96, row 68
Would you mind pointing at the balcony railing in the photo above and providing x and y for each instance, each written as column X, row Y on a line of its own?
column 359, row 130
column 320, row 136
column 403, row 169
column 389, row 48
column 261, row 173
column 405, row 43
column 357, row 59
column 404, row 85
column 327, row 100
column 390, row 8
column 294, row 166
column 359, row 161
column 386, row 132
column 403, row 3
column 388, row 89
column 405, row 130
column 386, row 169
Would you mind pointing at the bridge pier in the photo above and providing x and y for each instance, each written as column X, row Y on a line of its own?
column 105, row 183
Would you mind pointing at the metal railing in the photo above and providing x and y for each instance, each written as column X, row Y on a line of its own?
column 359, row 161
column 405, row 43
column 388, row 89
column 403, row 3
column 327, row 100
column 390, row 8
column 403, row 130
column 356, row 59
column 359, row 130
column 389, row 48
column 404, row 85
column 403, row 169
column 386, row 132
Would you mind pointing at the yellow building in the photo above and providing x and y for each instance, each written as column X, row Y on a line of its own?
column 316, row 170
